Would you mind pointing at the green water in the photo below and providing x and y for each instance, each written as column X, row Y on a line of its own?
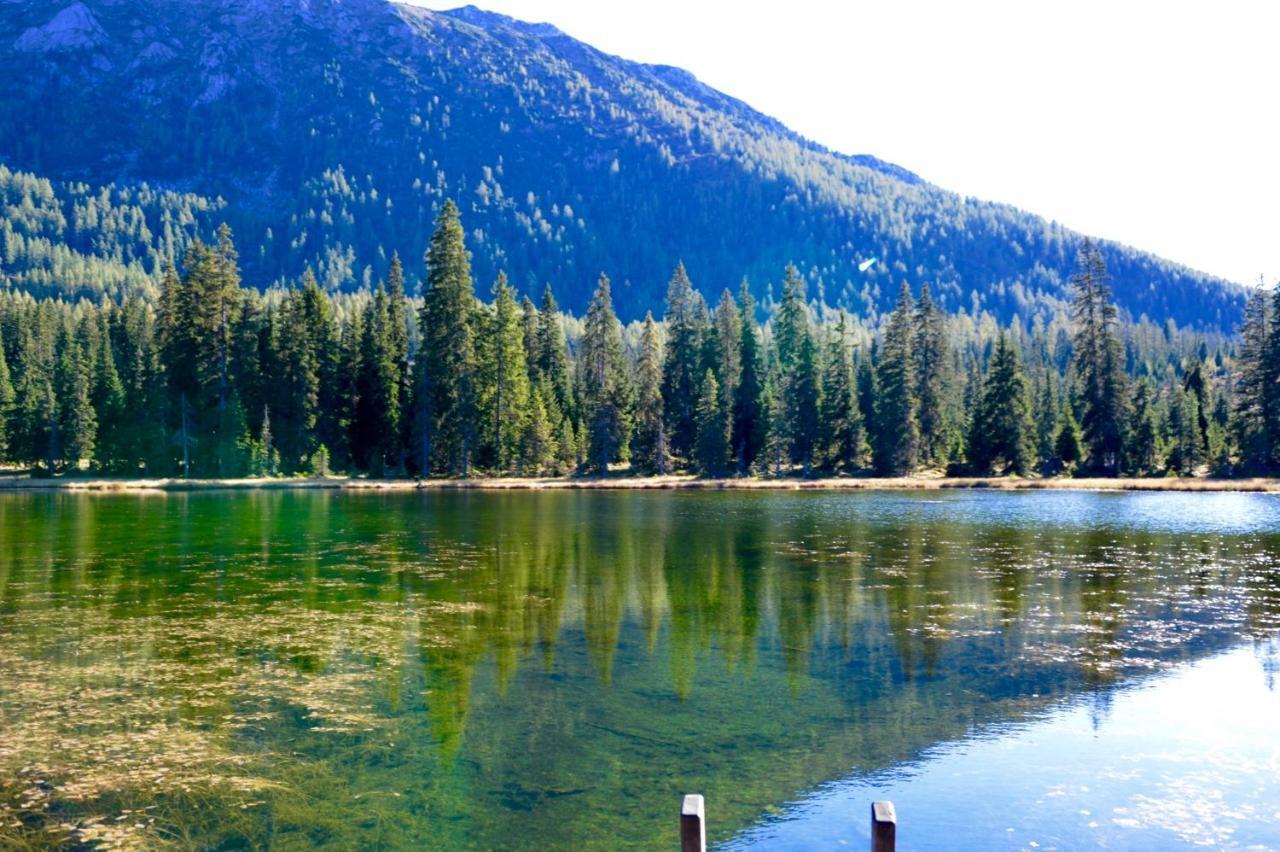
column 555, row 669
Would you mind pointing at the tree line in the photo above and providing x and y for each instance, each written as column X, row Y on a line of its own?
column 214, row 379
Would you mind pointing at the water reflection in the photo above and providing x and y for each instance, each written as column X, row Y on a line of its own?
column 553, row 669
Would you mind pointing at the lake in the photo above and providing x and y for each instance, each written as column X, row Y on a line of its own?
column 555, row 669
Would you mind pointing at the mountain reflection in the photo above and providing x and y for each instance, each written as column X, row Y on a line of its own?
column 554, row 668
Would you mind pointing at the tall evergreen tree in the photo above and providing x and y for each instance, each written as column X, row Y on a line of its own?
column 1099, row 360
column 77, row 425
column 897, row 440
column 553, row 358
column 375, row 429
column 749, row 421
column 1254, row 390
column 1003, row 432
column 505, row 400
column 932, row 360
column 798, row 364
column 7, row 397
column 842, row 436
column 606, row 392
column 712, row 446
column 446, row 389
column 649, row 442
column 686, row 322
column 1142, row 447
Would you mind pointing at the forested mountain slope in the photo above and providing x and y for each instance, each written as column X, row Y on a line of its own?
column 328, row 133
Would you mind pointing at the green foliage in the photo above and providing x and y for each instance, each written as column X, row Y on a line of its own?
column 897, row 439
column 1099, row 361
column 605, row 387
column 1002, row 435
column 712, row 448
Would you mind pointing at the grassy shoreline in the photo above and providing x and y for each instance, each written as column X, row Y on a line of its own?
column 653, row 483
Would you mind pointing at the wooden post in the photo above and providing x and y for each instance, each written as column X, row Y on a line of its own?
column 884, row 827
column 693, row 824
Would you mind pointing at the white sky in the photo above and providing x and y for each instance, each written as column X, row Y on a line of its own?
column 1153, row 123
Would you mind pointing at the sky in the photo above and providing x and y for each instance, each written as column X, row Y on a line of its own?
column 1156, row 124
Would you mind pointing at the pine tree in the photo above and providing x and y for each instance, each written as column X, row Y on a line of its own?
column 712, row 446
column 447, row 402
column 606, row 394
column 1003, row 433
column 932, row 359
column 897, row 441
column 686, row 324
column 1099, row 360
column 749, row 421
column 649, row 450
column 842, row 437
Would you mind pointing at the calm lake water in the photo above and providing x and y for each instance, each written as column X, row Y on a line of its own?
column 555, row 669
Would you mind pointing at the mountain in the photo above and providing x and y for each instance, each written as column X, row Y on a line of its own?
column 328, row 133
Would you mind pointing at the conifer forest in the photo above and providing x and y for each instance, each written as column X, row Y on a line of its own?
column 205, row 376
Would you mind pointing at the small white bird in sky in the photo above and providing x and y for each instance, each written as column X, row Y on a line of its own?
column 866, row 264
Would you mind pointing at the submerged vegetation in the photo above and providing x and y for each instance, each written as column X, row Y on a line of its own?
column 298, row 669
column 210, row 379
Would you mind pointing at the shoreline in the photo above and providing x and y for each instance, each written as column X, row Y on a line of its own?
column 645, row 483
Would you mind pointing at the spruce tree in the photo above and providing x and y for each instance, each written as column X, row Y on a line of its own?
column 1142, row 447
column 6, row 403
column 1249, row 423
column 712, row 446
column 649, row 442
column 375, row 429
column 76, row 425
column 537, row 444
column 446, row 390
column 749, row 422
column 842, row 436
column 506, row 397
column 606, row 392
column 396, row 446
column 553, row 358
column 896, row 446
column 1099, row 360
column 932, row 359
column 1068, row 444
column 686, row 325
column 1003, row 433
column 798, row 389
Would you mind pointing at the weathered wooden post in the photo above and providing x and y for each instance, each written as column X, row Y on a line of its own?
column 693, row 824
column 884, row 827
